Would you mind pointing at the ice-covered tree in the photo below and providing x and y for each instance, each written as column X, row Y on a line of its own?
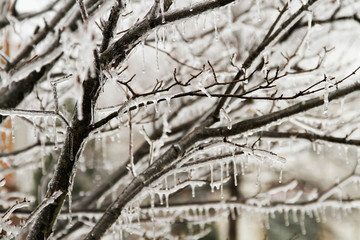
column 169, row 119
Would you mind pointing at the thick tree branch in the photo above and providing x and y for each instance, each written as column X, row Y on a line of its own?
column 73, row 145
column 108, row 31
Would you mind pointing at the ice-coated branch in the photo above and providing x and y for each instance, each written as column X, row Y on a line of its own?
column 199, row 146
column 269, row 38
column 15, row 92
column 309, row 136
column 34, row 214
column 75, row 137
column 166, row 162
column 118, row 50
column 108, row 30
column 119, row 173
column 4, row 21
column 268, row 118
column 83, row 11
column 73, row 144
column 354, row 179
column 201, row 212
column 24, row 150
column 50, row 26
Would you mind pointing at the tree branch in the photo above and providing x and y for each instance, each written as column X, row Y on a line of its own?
column 118, row 50
column 13, row 94
column 309, row 136
column 25, row 52
column 166, row 162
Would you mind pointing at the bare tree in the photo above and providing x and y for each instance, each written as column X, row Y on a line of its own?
column 159, row 119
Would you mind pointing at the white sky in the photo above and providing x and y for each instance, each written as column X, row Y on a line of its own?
column 31, row 5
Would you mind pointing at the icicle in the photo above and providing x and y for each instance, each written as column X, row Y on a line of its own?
column 265, row 56
column 258, row 9
column 221, row 180
column 121, row 232
column 229, row 16
column 175, row 180
column 168, row 103
column 190, row 174
column 212, row 178
column 232, row 213
column 131, row 146
column 192, row 190
column 326, row 95
column 227, row 169
column 166, row 183
column 238, row 210
column 56, row 102
column 267, row 223
column 225, row 116
column 103, row 147
column 258, row 171
column 183, row 28
column 215, row 26
column 314, row 146
column 152, row 206
column 204, row 26
column 46, row 127
column 309, row 18
column 281, row 174
column 234, row 169
column 346, row 150
column 55, row 133
column 302, row 222
column 155, row 106
column 163, row 37
column 12, row 128
column 173, row 28
column 143, row 55
column 268, row 144
column 242, row 163
column 197, row 25
column 79, row 105
column 161, row 198
column 157, row 49
column 202, row 89
column 42, row 142
column 166, row 194
column 295, row 218
column 162, row 11
column 317, row 215
column 286, row 217
column 342, row 101
column 166, row 200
